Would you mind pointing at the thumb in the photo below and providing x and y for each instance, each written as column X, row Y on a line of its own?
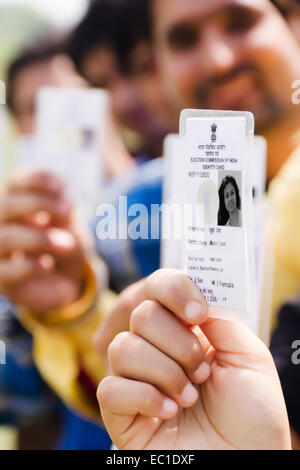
column 234, row 338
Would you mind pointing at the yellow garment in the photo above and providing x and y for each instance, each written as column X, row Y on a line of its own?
column 284, row 194
column 63, row 344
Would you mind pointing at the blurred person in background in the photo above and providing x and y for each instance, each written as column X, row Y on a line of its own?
column 108, row 29
column 44, row 270
column 42, row 63
column 108, row 26
column 39, row 65
column 45, row 63
column 54, row 289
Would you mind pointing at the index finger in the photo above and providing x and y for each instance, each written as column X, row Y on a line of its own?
column 24, row 204
column 179, row 294
column 169, row 287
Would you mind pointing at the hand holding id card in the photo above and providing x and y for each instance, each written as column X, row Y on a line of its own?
column 217, row 148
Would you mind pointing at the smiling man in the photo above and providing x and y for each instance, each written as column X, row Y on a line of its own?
column 108, row 27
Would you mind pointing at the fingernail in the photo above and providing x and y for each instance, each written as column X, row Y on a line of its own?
column 202, row 373
column 169, row 407
column 189, row 394
column 194, row 311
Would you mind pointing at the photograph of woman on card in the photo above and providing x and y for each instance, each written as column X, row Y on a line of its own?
column 229, row 214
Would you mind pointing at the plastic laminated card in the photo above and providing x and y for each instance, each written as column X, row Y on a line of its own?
column 71, row 131
column 218, row 246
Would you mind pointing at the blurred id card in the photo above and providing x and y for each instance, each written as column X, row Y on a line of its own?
column 70, row 137
column 217, row 148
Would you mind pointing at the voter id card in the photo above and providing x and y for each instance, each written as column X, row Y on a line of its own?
column 71, row 128
column 218, row 246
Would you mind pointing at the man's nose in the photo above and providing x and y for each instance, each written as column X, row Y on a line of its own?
column 218, row 54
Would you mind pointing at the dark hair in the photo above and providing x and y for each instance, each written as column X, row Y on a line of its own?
column 117, row 24
column 137, row 24
column 279, row 7
column 103, row 24
column 223, row 215
column 41, row 50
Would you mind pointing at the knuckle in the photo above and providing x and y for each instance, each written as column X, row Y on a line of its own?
column 153, row 277
column 152, row 281
column 126, row 300
column 143, row 315
column 149, row 399
column 176, row 285
column 132, row 296
column 173, row 281
column 191, row 354
column 119, row 347
column 106, row 391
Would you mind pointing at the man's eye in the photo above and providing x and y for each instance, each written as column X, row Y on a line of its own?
column 182, row 38
column 241, row 22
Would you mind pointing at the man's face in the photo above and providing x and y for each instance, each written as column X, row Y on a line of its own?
column 226, row 54
column 101, row 69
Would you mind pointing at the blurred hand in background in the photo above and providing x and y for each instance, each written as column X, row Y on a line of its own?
column 43, row 248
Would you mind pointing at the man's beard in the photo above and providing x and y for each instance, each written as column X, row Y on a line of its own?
column 270, row 110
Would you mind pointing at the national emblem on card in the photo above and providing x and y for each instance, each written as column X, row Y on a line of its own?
column 214, row 128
